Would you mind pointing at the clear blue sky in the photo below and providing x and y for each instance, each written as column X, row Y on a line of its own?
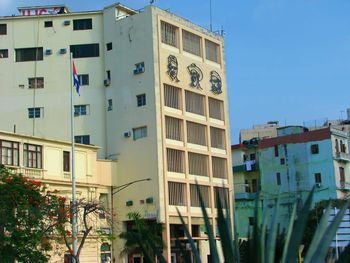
column 287, row 60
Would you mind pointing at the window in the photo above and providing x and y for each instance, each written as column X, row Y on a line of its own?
column 82, row 24
column 169, row 34
column 3, row 29
column 85, row 50
column 110, row 105
column 204, row 191
column 342, row 174
column 36, row 83
column 35, row 112
column 81, row 110
column 48, row 24
column 139, row 68
column 32, row 155
column 109, row 46
column 318, row 179
column 9, row 154
column 219, row 167
column 177, row 194
column 172, row 97
column 223, row 195
column 251, row 221
column 173, row 128
column 66, row 161
column 195, row 103
column 198, row 164
column 4, row 53
column 83, row 139
column 212, row 51
column 278, row 178
column 29, row 54
column 191, row 43
column 175, row 161
column 254, row 185
column 276, row 150
column 141, row 100
column 108, row 72
column 342, row 147
column 252, row 156
column 196, row 133
column 139, row 133
column 217, row 138
column 83, row 79
column 314, row 149
column 216, row 109
column 282, row 161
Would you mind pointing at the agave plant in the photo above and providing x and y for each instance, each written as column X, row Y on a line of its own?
column 262, row 241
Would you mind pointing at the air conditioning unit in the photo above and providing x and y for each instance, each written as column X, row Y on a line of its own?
column 48, row 51
column 127, row 134
column 63, row 51
column 66, row 22
column 107, row 82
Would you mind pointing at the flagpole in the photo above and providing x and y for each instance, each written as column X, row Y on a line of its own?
column 74, row 208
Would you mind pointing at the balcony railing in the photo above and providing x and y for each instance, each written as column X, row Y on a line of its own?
column 340, row 156
column 253, row 167
column 29, row 172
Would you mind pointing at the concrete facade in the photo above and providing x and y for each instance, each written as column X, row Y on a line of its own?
column 155, row 101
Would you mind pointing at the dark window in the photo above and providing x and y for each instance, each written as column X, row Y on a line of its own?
column 81, row 110
column 342, row 174
column 29, row 54
column 141, row 100
column 66, row 161
column 254, row 185
column 282, row 161
column 34, row 112
column 251, row 221
column 252, row 156
column 342, row 147
column 83, row 79
column 276, row 150
column 109, row 46
column 108, row 74
column 48, row 24
column 83, row 139
column 4, row 53
column 244, row 157
column 82, row 24
column 318, row 179
column 32, row 155
column 36, row 83
column 9, row 154
column 169, row 34
column 336, row 146
column 3, row 29
column 278, row 178
column 110, row 104
column 314, row 149
column 85, row 50
column 139, row 68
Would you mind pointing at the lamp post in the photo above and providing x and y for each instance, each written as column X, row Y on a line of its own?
column 123, row 186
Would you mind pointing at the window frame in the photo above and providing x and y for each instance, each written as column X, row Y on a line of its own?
column 39, row 84
column 80, row 50
column 31, row 157
column 278, row 179
column 318, row 178
column 188, row 43
column 141, row 100
column 315, row 149
column 109, row 46
column 143, row 133
column 3, row 29
column 48, row 23
column 84, row 139
column 22, row 56
column 82, row 24
column 84, row 79
column 35, row 113
column 66, row 161
column 14, row 161
column 4, row 53
column 81, row 110
column 165, row 37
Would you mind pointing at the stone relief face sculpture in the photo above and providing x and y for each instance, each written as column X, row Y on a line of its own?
column 173, row 68
column 196, row 76
column 216, row 83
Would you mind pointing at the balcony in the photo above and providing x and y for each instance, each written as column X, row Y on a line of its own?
column 246, row 167
column 341, row 156
column 245, row 196
column 36, row 173
column 344, row 186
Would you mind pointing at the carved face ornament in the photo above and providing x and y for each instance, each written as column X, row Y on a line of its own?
column 173, row 68
column 216, row 83
column 196, row 75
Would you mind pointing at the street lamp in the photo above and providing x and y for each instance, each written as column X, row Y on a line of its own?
column 123, row 186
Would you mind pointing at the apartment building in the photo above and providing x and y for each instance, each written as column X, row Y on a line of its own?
column 291, row 164
column 153, row 97
column 48, row 161
column 260, row 131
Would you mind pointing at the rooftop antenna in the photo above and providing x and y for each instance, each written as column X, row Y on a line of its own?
column 210, row 16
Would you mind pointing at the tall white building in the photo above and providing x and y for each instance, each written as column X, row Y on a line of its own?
column 153, row 97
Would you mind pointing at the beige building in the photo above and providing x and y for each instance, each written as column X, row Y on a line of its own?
column 259, row 131
column 153, row 97
column 48, row 161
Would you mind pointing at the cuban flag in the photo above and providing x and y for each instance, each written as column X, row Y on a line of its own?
column 76, row 80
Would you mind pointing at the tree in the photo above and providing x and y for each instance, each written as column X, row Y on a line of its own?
column 88, row 214
column 142, row 236
column 28, row 216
